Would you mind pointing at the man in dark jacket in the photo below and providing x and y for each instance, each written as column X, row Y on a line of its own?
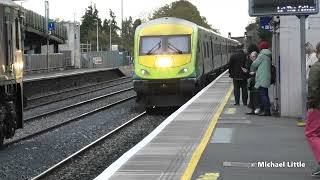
column 236, row 63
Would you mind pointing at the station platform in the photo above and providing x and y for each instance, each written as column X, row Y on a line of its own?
column 58, row 74
column 210, row 138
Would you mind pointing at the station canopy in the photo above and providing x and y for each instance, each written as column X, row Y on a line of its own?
column 7, row 3
column 282, row 7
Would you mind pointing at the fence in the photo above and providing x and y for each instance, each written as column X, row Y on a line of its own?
column 104, row 59
column 38, row 62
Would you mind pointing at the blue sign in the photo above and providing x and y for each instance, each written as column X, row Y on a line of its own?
column 265, row 23
column 51, row 26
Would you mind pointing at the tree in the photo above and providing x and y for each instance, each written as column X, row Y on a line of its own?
column 182, row 9
column 89, row 23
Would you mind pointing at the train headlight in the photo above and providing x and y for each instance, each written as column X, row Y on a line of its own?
column 164, row 62
column 144, row 72
column 184, row 70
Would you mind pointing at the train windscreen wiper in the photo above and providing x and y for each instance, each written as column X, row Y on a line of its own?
column 174, row 48
column 154, row 48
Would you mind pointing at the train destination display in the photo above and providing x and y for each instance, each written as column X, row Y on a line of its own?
column 283, row 7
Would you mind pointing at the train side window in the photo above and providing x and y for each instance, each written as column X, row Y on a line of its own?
column 204, row 50
column 212, row 53
column 208, row 52
column 17, row 34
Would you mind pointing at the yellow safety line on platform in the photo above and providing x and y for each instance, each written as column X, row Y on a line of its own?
column 209, row 176
column 230, row 111
column 203, row 144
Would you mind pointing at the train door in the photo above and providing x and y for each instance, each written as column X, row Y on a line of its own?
column 212, row 53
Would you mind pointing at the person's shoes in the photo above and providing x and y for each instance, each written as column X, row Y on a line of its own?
column 236, row 104
column 250, row 113
column 265, row 114
column 316, row 173
column 257, row 111
column 301, row 123
column 245, row 104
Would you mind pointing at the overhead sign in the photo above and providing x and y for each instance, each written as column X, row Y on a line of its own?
column 51, row 26
column 283, row 7
column 265, row 23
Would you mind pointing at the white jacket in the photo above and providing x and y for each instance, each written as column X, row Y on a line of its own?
column 311, row 59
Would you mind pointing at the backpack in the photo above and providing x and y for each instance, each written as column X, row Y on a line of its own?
column 273, row 74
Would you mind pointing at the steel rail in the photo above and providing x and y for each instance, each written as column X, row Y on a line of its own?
column 86, row 148
column 74, row 119
column 72, row 96
column 76, row 105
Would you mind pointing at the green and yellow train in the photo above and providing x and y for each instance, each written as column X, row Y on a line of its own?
column 174, row 59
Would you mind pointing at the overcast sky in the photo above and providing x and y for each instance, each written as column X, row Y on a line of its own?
column 226, row 15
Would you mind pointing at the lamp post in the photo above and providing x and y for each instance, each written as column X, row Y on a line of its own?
column 47, row 30
column 97, row 35
column 110, row 41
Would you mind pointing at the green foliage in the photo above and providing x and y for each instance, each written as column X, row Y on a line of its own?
column 128, row 30
column 89, row 23
column 184, row 10
column 88, row 30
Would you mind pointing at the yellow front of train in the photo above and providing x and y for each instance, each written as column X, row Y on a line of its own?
column 164, row 62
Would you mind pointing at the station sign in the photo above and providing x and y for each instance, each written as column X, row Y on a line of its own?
column 265, row 23
column 97, row 60
column 51, row 26
column 283, row 7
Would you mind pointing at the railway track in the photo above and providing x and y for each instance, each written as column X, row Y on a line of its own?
column 76, row 105
column 87, row 148
column 73, row 119
column 73, row 92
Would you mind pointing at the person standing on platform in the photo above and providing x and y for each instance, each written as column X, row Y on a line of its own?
column 311, row 58
column 262, row 67
column 312, row 130
column 254, row 102
column 236, row 63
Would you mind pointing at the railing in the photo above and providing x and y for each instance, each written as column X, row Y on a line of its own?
column 39, row 62
column 104, row 59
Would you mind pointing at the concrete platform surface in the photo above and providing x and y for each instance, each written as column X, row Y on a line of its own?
column 209, row 138
column 243, row 146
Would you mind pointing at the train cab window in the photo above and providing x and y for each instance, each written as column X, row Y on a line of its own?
column 178, row 44
column 150, row 45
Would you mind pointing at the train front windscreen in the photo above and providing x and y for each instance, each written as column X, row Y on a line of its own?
column 155, row 45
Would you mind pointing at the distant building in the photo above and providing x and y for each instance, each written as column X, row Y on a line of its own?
column 73, row 42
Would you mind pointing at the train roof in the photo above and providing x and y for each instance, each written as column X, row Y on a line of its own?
column 7, row 3
column 173, row 20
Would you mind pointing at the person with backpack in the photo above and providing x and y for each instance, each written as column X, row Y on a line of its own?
column 312, row 130
column 262, row 68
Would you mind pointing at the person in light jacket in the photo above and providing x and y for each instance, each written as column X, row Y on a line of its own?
column 311, row 58
column 262, row 67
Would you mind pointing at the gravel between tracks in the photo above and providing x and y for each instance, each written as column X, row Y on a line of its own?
column 29, row 158
column 97, row 159
column 55, row 119
column 67, row 102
